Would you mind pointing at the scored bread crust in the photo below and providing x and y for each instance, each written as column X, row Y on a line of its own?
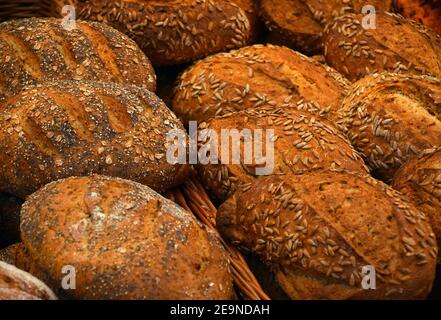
column 56, row 130
column 396, row 45
column 124, row 240
column 390, row 118
column 317, row 230
column 41, row 49
column 174, row 32
column 420, row 180
column 301, row 142
column 254, row 76
column 299, row 24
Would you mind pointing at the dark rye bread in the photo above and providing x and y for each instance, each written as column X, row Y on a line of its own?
column 257, row 76
column 299, row 24
column 390, row 118
column 40, row 49
column 16, row 284
column 397, row 45
column 420, row 180
column 422, row 11
column 67, row 128
column 174, row 32
column 9, row 219
column 124, row 240
column 301, row 142
column 317, row 231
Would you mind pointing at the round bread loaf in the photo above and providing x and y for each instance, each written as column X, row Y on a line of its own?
column 422, row 11
column 257, row 76
column 10, row 253
column 390, row 118
column 173, row 32
column 319, row 229
column 300, row 142
column 16, row 284
column 124, row 241
column 9, row 219
column 67, row 128
column 41, row 49
column 299, row 24
column 396, row 44
column 420, row 180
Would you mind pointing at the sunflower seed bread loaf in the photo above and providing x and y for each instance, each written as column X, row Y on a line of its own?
column 299, row 24
column 396, row 45
column 300, row 142
column 124, row 240
column 74, row 128
column 391, row 118
column 16, row 284
column 41, row 49
column 260, row 75
column 420, row 180
column 174, row 32
column 318, row 230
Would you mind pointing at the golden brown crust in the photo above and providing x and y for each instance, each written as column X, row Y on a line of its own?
column 16, row 284
column 124, row 240
column 173, row 32
column 9, row 219
column 420, row 180
column 67, row 128
column 301, row 142
column 422, row 11
column 397, row 45
column 317, row 230
column 257, row 76
column 299, row 24
column 390, row 118
column 40, row 49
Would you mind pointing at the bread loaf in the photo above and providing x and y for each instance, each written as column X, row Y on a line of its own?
column 173, row 32
column 397, row 45
column 422, row 11
column 318, row 230
column 10, row 253
column 390, row 118
column 257, row 76
column 68, row 128
column 16, row 284
column 299, row 24
column 125, row 242
column 301, row 142
column 9, row 219
column 420, row 180
column 40, row 49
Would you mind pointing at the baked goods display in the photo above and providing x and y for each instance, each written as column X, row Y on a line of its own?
column 301, row 142
column 299, row 24
column 61, row 129
column 390, row 118
column 423, row 11
column 173, row 32
column 319, row 229
column 420, row 180
column 139, row 244
column 257, row 76
column 41, row 49
column 395, row 44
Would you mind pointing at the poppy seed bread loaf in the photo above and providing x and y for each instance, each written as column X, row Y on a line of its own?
column 41, row 49
column 124, row 241
column 74, row 128
column 319, row 229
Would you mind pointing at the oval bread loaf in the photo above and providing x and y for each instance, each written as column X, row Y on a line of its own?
column 41, row 49
column 420, row 180
column 174, row 32
column 319, row 229
column 125, row 242
column 257, row 76
column 67, row 128
column 9, row 219
column 16, row 284
column 300, row 142
column 390, row 118
column 396, row 45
